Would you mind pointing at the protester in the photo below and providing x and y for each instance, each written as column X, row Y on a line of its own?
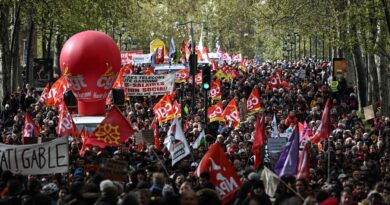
column 358, row 150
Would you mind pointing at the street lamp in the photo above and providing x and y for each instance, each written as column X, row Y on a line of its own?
column 121, row 32
column 128, row 42
column 193, row 58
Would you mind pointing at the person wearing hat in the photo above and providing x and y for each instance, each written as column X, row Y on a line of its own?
column 109, row 193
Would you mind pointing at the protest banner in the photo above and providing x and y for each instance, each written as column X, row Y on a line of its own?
column 114, row 169
column 127, row 56
column 147, row 85
column 276, row 144
column 46, row 158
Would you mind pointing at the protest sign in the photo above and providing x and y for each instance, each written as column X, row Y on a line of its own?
column 114, row 169
column 369, row 112
column 147, row 85
column 148, row 136
column 141, row 58
column 46, row 158
column 276, row 144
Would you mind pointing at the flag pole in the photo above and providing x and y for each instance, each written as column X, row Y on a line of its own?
column 158, row 158
column 328, row 180
column 291, row 189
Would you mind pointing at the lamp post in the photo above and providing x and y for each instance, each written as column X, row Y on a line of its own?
column 193, row 58
column 128, row 42
column 121, row 32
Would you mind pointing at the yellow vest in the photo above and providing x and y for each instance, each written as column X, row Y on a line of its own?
column 334, row 84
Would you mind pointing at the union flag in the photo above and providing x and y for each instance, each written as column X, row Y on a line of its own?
column 253, row 102
column 231, row 114
column 30, row 129
column 177, row 109
column 56, row 93
column 163, row 110
column 44, row 94
column 215, row 90
column 66, row 126
column 182, row 75
column 214, row 113
column 114, row 130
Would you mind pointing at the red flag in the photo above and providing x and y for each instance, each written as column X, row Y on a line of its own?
column 114, row 130
column 148, row 71
column 182, row 75
column 253, row 102
column 56, row 93
column 177, row 109
column 30, row 129
column 84, row 136
column 172, row 96
column 214, row 112
column 157, row 142
column 159, row 56
column 275, row 81
column 66, row 126
column 231, row 114
column 163, row 110
column 258, row 141
column 215, row 90
column 222, row 173
column 243, row 64
column 304, row 164
column 44, row 94
column 323, row 130
column 198, row 79
column 214, row 66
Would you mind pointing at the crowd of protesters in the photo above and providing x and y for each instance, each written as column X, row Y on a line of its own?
column 359, row 150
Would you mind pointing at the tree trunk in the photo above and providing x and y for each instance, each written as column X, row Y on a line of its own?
column 358, row 62
column 30, row 34
column 383, row 72
column 56, row 56
column 4, row 50
column 14, row 50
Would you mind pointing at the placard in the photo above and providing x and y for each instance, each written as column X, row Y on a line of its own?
column 114, row 169
column 46, row 158
column 147, row 85
column 148, row 136
column 369, row 112
column 276, row 144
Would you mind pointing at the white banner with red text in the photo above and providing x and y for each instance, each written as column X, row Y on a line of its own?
column 146, row 85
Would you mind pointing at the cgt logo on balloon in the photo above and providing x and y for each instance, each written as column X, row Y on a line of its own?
column 105, row 81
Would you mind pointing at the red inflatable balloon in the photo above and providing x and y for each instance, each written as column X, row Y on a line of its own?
column 90, row 61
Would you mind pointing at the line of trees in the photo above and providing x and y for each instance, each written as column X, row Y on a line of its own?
column 354, row 29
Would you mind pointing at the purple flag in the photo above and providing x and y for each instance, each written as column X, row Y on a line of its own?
column 287, row 164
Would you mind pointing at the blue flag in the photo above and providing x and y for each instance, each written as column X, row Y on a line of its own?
column 287, row 164
column 172, row 48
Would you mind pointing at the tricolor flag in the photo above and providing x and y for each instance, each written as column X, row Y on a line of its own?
column 201, row 140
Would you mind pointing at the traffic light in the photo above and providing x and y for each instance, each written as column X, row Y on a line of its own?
column 206, row 77
column 193, row 60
